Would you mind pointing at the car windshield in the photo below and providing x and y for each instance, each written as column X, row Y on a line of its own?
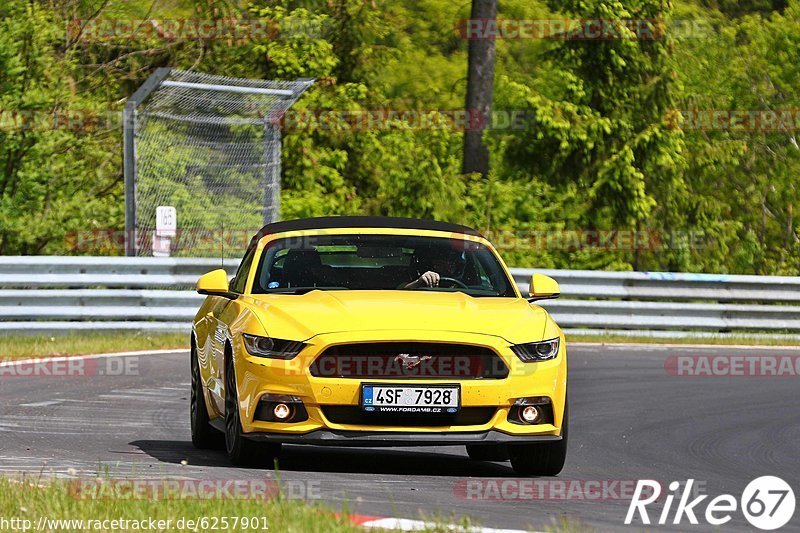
column 380, row 262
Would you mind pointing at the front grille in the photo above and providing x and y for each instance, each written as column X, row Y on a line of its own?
column 353, row 414
column 409, row 360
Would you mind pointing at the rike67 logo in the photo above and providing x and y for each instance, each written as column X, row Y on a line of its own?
column 767, row 503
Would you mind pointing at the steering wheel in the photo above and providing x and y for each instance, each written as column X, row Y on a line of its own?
column 454, row 281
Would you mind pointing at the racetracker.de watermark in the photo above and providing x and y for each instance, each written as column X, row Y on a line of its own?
column 192, row 489
column 502, row 489
column 386, row 119
column 210, row 241
column 79, row 120
column 67, row 367
column 611, row 240
column 739, row 120
column 301, row 120
column 198, row 241
column 233, row 30
column 727, row 366
column 89, row 121
column 584, row 29
column 380, row 365
column 60, row 119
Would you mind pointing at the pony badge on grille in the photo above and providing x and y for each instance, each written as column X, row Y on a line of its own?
column 411, row 362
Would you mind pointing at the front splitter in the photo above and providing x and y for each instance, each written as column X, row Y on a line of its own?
column 388, row 438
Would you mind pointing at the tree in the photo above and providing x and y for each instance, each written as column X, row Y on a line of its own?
column 59, row 167
column 480, row 89
column 605, row 132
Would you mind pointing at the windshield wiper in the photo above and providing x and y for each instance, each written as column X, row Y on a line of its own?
column 303, row 290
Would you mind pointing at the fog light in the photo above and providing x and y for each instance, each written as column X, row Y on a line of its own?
column 529, row 414
column 282, row 411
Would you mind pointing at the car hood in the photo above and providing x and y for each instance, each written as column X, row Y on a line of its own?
column 303, row 316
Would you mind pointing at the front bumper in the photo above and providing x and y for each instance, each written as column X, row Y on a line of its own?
column 257, row 377
column 388, row 439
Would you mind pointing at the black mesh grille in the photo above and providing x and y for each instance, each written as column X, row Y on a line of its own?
column 353, row 414
column 409, row 360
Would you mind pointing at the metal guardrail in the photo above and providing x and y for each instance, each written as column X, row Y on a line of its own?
column 52, row 294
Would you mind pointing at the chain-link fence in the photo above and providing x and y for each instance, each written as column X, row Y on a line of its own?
column 210, row 147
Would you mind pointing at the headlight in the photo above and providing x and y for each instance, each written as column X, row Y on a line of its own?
column 272, row 348
column 536, row 351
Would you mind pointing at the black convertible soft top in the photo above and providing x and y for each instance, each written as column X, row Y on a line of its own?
column 362, row 222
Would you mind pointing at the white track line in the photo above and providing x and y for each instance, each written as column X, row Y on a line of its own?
column 48, row 403
column 62, row 358
column 404, row 524
column 619, row 345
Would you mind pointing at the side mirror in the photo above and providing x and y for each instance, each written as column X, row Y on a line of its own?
column 543, row 288
column 215, row 283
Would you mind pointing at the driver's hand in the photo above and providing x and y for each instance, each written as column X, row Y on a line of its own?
column 429, row 279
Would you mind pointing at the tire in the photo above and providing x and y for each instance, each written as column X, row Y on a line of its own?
column 242, row 451
column 487, row 452
column 204, row 436
column 542, row 459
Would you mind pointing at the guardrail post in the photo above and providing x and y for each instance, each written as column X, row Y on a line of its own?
column 129, row 153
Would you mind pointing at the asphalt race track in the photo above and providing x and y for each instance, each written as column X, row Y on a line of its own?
column 631, row 420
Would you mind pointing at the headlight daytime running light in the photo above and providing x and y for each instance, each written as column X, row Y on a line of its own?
column 537, row 351
column 272, row 348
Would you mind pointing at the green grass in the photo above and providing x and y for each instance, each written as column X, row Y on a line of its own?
column 88, row 343
column 54, row 500
column 18, row 346
column 717, row 341
column 567, row 524
column 29, row 499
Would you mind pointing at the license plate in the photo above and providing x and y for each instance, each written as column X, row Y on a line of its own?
column 421, row 399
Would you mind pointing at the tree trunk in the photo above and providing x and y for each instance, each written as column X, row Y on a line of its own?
column 480, row 88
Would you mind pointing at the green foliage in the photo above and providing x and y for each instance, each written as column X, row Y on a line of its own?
column 744, row 183
column 605, row 147
column 738, row 8
column 54, row 180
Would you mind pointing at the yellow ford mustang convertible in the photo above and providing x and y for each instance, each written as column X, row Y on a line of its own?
column 373, row 331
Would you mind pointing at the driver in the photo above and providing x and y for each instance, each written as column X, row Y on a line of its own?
column 434, row 265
